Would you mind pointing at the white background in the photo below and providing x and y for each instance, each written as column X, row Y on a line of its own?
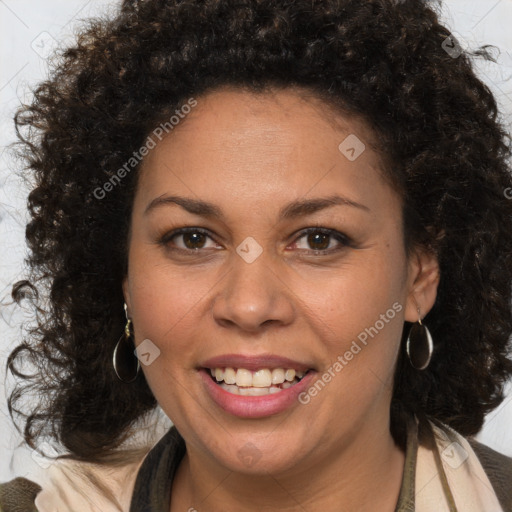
column 30, row 28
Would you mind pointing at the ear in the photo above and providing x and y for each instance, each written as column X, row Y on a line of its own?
column 126, row 293
column 422, row 283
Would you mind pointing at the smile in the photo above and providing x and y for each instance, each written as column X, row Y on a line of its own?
column 265, row 381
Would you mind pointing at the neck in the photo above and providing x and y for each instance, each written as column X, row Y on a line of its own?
column 364, row 475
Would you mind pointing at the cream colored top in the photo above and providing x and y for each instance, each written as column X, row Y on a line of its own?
column 442, row 475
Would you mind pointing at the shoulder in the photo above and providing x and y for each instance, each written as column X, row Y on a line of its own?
column 18, row 495
column 87, row 487
column 72, row 485
column 498, row 468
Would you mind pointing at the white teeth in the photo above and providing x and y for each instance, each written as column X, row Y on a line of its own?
column 262, row 379
column 289, row 375
column 243, row 377
column 277, row 376
column 235, row 390
column 231, row 388
column 253, row 391
column 229, row 376
column 261, row 382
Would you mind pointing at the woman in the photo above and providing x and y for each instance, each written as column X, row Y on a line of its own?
column 295, row 213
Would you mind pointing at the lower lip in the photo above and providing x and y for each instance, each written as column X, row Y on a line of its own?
column 255, row 406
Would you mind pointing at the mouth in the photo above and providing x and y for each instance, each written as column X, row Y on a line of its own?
column 260, row 382
column 255, row 386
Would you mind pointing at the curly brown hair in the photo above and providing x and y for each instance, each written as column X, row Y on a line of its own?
column 380, row 60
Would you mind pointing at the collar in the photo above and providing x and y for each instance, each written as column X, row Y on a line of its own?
column 152, row 491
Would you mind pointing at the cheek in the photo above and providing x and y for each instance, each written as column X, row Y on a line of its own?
column 166, row 308
column 355, row 296
column 167, row 302
column 359, row 317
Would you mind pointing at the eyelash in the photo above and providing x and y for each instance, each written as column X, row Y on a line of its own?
column 344, row 240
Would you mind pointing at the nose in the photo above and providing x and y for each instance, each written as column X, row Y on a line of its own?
column 253, row 297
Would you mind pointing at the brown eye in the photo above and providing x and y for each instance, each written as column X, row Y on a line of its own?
column 188, row 239
column 319, row 241
column 194, row 240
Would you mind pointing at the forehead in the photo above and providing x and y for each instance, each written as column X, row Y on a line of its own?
column 262, row 148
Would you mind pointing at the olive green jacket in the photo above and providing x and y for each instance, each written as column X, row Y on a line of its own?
column 18, row 495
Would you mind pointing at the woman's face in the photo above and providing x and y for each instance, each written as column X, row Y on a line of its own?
column 293, row 259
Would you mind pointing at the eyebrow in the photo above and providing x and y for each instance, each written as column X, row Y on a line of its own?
column 298, row 208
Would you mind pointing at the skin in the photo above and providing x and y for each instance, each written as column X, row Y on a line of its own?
column 252, row 154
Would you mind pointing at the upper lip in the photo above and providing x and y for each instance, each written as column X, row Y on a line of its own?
column 254, row 362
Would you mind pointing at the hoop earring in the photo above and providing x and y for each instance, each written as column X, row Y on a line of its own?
column 125, row 364
column 419, row 346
